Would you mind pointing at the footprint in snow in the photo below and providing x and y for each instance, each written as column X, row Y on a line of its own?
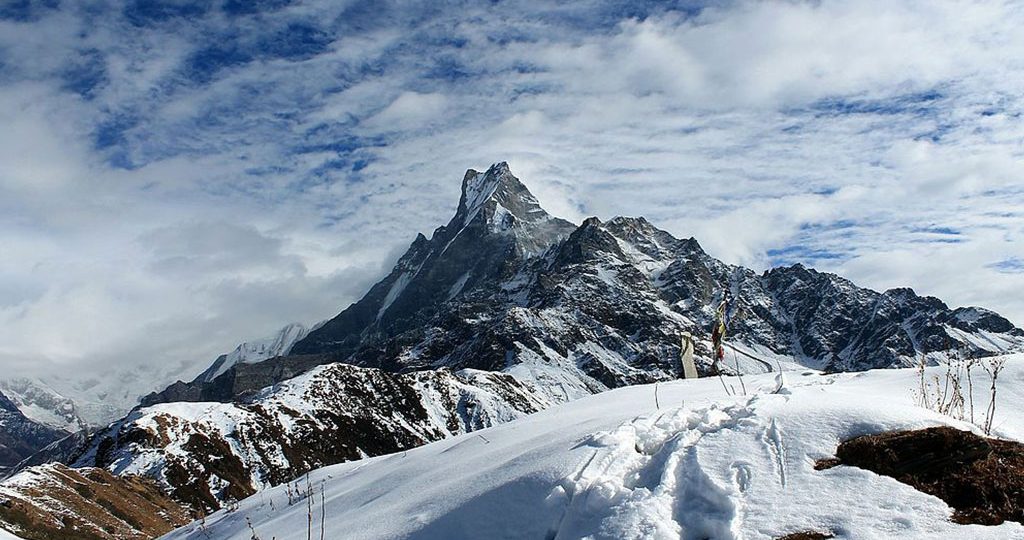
column 742, row 475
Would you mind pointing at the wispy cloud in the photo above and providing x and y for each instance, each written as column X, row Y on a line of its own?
column 176, row 176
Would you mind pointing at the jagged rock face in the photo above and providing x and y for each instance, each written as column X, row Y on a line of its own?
column 607, row 301
column 574, row 310
column 842, row 327
column 238, row 382
column 54, row 501
column 20, row 437
column 205, row 453
column 497, row 226
column 63, row 450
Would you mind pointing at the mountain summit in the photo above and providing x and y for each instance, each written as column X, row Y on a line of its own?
column 503, row 204
column 498, row 225
column 504, row 286
column 503, row 312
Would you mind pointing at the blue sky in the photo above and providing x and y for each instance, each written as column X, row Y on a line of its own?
column 177, row 176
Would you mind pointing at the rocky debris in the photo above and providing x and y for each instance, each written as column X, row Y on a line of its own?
column 981, row 478
column 807, row 535
column 54, row 501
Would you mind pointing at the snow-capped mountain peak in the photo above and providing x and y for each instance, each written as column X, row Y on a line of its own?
column 502, row 312
column 603, row 305
column 250, row 352
column 498, row 194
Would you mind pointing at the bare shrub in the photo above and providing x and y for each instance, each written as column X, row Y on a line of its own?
column 992, row 366
column 952, row 394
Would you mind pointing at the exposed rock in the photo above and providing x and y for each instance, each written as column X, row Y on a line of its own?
column 239, row 381
column 807, row 535
column 981, row 478
column 204, row 454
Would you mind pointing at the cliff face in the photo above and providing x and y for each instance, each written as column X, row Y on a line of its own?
column 21, row 437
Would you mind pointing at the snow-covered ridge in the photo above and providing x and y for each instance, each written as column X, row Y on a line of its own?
column 616, row 465
column 70, row 404
column 207, row 453
column 249, row 352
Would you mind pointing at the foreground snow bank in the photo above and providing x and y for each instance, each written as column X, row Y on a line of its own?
column 615, row 465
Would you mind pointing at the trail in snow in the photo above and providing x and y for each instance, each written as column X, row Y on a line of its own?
column 646, row 481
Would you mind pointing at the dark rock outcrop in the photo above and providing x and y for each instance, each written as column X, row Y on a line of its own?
column 980, row 477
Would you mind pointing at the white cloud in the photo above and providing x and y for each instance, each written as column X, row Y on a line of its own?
column 409, row 111
column 842, row 128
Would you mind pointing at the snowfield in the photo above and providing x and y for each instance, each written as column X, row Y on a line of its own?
column 698, row 464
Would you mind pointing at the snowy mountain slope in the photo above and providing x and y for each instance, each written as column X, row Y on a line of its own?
column 504, row 286
column 71, row 403
column 614, row 465
column 206, row 453
column 42, row 404
column 20, row 437
column 250, row 352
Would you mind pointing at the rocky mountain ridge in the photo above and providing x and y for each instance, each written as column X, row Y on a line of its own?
column 204, row 453
column 504, row 286
column 502, row 312
column 567, row 311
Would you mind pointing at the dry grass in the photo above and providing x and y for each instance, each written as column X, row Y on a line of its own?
column 89, row 504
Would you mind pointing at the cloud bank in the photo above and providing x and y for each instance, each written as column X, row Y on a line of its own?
column 177, row 176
